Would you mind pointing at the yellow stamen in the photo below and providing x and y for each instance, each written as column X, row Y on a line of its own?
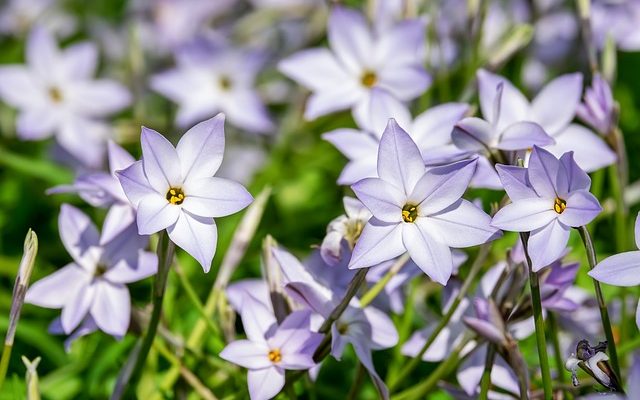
column 275, row 356
column 409, row 213
column 55, row 94
column 100, row 270
column 175, row 196
column 369, row 79
column 559, row 205
column 225, row 83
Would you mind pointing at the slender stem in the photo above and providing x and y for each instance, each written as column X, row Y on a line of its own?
column 352, row 290
column 129, row 378
column 371, row 294
column 357, row 383
column 557, row 353
column 4, row 361
column 539, row 322
column 415, row 361
column 485, row 382
column 604, row 313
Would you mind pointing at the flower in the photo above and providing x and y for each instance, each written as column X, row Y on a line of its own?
column 621, row 269
column 360, row 67
column 598, row 108
column 553, row 109
column 94, row 284
column 344, row 228
column 55, row 95
column 206, row 82
column 416, row 210
column 270, row 349
column 103, row 189
column 548, row 198
column 173, row 188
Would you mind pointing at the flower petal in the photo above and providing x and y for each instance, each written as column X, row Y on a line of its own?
column 215, row 197
column 514, row 106
column 619, row 270
column 577, row 178
column 544, row 169
column 442, row 186
column 350, row 38
column 160, row 161
column 79, row 236
column 399, row 160
column 123, row 272
column 315, row 69
column 155, row 213
column 77, row 308
column 20, row 87
column 524, row 215
column 547, row 244
column 463, row 224
column 111, row 307
column 429, row 253
column 515, row 182
column 80, row 60
column 247, row 354
column 197, row 236
column 523, row 135
column 134, row 183
column 379, row 241
column 372, row 113
column 118, row 218
column 582, row 208
column 473, row 134
column 555, row 106
column 384, row 200
column 590, row 151
column 201, row 149
column 265, row 383
column 59, row 288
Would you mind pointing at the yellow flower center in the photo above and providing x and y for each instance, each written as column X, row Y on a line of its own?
column 409, row 213
column 369, row 79
column 559, row 205
column 275, row 356
column 100, row 270
column 175, row 196
column 225, row 83
column 55, row 94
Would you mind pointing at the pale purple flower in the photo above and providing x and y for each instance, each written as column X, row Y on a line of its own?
column 621, row 269
column 553, row 109
column 270, row 349
column 173, row 188
column 361, row 66
column 103, row 189
column 431, row 131
column 344, row 228
column 416, row 210
column 17, row 17
column 366, row 329
column 598, row 108
column 486, row 135
column 618, row 20
column 86, row 327
column 207, row 81
column 94, row 284
column 548, row 198
column 57, row 96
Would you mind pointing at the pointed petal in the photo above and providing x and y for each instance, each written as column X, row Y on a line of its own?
column 384, row 334
column 524, row 215
column 543, row 172
column 257, row 319
column 20, row 87
column 523, row 135
column 399, row 159
column 555, row 106
column 42, row 53
column 350, row 38
column 378, row 242
column 404, row 82
column 577, row 178
column 364, row 355
column 122, row 272
column 134, row 183
column 155, row 213
column 99, row 98
column 247, row 354
column 331, row 99
column 111, row 308
column 590, row 151
column 315, row 69
column 473, row 134
column 637, row 230
column 582, row 208
column 201, row 149
column 547, row 244
column 119, row 158
column 160, row 161
column 80, row 60
column 442, row 186
column 77, row 308
column 619, row 270
column 463, row 224
column 515, row 182
column 265, row 383
column 79, row 236
column 59, row 288
column 37, row 123
column 434, row 126
column 428, row 252
column 373, row 112
column 384, row 200
column 215, row 197
column 118, row 218
column 514, row 106
column 197, row 236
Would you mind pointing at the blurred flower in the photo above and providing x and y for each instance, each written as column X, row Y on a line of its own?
column 484, row 136
column 206, row 82
column 102, row 189
column 621, row 269
column 270, row 349
column 344, row 228
column 548, row 198
column 414, row 210
column 618, row 19
column 17, row 17
column 598, row 108
column 431, row 131
column 174, row 188
column 57, row 96
column 553, row 109
column 94, row 284
column 555, row 284
column 361, row 67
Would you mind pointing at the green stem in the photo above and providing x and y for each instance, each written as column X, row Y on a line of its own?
column 557, row 353
column 604, row 313
column 371, row 294
column 620, row 217
column 352, row 290
column 485, row 382
column 415, row 361
column 4, row 362
column 357, row 383
column 539, row 323
column 165, row 250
